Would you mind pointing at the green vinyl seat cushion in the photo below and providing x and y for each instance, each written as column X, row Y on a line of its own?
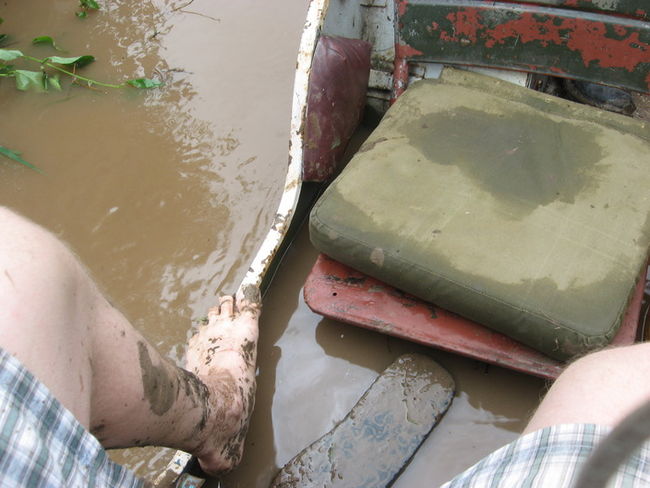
column 521, row 211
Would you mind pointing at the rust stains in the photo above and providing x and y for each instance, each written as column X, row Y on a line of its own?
column 615, row 46
column 589, row 38
column 402, row 5
column 406, row 51
column 467, row 25
column 604, row 47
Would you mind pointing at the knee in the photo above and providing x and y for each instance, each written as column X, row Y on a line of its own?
column 623, row 361
column 18, row 232
column 10, row 220
column 33, row 256
column 21, row 236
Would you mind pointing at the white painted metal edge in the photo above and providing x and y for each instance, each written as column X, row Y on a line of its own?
column 287, row 207
column 292, row 185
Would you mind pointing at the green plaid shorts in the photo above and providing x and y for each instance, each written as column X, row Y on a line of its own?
column 42, row 445
column 551, row 457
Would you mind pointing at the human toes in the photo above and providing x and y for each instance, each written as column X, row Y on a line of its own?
column 226, row 306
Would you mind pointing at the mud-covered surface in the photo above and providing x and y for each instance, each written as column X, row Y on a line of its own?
column 381, row 432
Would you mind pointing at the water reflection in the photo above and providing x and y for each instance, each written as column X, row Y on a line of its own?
column 164, row 194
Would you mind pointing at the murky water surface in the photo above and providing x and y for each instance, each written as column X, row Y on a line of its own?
column 166, row 194
column 313, row 370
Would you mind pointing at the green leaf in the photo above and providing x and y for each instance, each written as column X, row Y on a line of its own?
column 29, row 80
column 81, row 15
column 7, row 69
column 3, row 38
column 78, row 61
column 89, row 4
column 54, row 82
column 8, row 153
column 9, row 55
column 46, row 40
column 38, row 81
column 145, row 83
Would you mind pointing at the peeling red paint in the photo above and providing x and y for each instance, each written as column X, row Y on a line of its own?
column 402, row 6
column 466, row 22
column 378, row 306
column 406, row 51
column 525, row 29
column 625, row 53
column 587, row 37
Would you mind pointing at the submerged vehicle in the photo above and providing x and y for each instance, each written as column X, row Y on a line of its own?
column 522, row 215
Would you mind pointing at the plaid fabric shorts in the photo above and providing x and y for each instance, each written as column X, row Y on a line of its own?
column 42, row 445
column 551, row 457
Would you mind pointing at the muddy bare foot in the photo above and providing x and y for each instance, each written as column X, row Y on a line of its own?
column 223, row 355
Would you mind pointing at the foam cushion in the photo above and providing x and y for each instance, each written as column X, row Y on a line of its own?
column 521, row 211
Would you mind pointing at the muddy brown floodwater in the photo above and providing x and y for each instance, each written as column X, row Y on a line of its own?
column 313, row 370
column 166, row 194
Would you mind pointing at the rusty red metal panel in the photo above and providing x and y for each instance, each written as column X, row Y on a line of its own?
column 341, row 293
column 336, row 97
column 604, row 48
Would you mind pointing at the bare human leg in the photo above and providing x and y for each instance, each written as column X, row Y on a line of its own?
column 601, row 388
column 56, row 322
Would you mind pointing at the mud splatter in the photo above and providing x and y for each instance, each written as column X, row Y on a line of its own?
column 252, row 294
column 253, row 299
column 194, row 389
column 160, row 390
column 248, row 352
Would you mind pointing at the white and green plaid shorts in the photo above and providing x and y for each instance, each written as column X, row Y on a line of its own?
column 42, row 445
column 551, row 457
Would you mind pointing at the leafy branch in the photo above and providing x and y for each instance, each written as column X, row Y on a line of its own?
column 42, row 81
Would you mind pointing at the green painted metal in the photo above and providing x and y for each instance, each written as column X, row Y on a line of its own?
column 632, row 8
column 610, row 49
